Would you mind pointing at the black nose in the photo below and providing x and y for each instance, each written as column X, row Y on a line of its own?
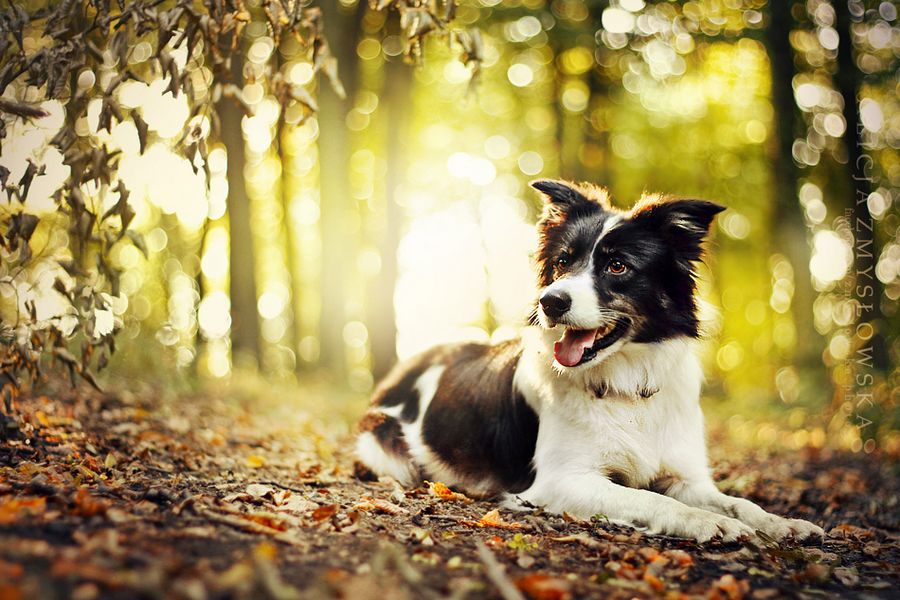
column 555, row 304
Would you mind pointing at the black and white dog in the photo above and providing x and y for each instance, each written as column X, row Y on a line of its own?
column 595, row 410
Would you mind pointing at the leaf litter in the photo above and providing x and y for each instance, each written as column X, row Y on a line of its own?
column 108, row 495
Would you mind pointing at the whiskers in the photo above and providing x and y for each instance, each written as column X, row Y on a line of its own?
column 613, row 317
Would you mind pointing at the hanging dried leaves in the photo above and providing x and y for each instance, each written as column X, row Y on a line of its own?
column 83, row 51
column 420, row 19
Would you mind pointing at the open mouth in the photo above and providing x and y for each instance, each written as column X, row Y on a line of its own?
column 578, row 346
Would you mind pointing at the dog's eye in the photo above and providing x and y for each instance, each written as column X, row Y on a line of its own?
column 563, row 261
column 616, row 267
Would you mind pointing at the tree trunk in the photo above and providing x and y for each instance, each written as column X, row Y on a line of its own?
column 859, row 178
column 382, row 317
column 294, row 332
column 788, row 222
column 336, row 201
column 245, row 340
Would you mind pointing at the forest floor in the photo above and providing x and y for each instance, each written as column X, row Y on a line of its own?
column 194, row 497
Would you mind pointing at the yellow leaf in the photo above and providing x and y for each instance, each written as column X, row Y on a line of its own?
column 42, row 418
column 254, row 461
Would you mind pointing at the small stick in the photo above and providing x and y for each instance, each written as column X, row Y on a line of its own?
column 290, row 488
column 496, row 573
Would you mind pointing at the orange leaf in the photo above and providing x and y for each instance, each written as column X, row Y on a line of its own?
column 10, row 570
column 542, row 587
column 679, row 557
column 88, row 506
column 267, row 520
column 654, row 582
column 324, row 512
column 493, row 519
column 444, row 493
column 13, row 509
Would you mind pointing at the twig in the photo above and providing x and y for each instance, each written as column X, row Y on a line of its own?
column 290, row 488
column 249, row 526
column 497, row 574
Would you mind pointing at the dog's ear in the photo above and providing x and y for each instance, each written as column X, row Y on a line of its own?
column 564, row 200
column 559, row 192
column 684, row 223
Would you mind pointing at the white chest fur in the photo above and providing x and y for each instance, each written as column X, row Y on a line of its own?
column 622, row 434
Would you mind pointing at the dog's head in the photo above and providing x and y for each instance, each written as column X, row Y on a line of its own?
column 609, row 277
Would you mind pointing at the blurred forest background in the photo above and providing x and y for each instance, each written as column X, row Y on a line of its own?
column 310, row 243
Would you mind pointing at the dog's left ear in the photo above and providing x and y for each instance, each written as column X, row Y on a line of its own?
column 685, row 223
column 559, row 192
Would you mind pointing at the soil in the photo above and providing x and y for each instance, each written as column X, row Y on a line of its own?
column 132, row 496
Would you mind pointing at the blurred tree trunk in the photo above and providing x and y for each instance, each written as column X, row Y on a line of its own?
column 594, row 154
column 860, row 183
column 294, row 332
column 596, row 133
column 199, row 338
column 788, row 222
column 245, row 340
column 382, row 317
column 336, row 201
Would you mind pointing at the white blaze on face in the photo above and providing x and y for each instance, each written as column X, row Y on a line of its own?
column 582, row 290
column 581, row 287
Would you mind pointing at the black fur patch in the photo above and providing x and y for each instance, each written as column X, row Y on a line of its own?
column 400, row 386
column 478, row 423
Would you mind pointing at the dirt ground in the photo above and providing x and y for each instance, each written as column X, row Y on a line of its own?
column 194, row 497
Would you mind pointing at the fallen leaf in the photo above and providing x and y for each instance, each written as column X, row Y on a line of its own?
column 846, row 576
column 679, row 557
column 254, row 461
column 728, row 587
column 87, row 505
column 654, row 582
column 581, row 538
column 258, row 490
column 324, row 512
column 368, row 503
column 543, row 587
column 13, row 509
column 441, row 491
column 10, row 570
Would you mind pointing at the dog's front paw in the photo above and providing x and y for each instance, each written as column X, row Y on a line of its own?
column 704, row 526
column 780, row 528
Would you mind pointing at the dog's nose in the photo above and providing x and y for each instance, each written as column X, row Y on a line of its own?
column 556, row 304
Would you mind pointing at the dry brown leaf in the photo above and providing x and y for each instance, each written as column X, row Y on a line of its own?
column 367, row 503
column 324, row 512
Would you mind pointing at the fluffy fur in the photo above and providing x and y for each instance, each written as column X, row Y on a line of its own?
column 595, row 408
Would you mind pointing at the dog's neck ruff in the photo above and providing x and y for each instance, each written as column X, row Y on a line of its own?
column 636, row 370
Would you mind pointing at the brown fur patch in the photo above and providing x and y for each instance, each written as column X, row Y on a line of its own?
column 370, row 421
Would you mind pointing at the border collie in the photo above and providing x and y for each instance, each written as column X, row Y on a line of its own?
column 595, row 408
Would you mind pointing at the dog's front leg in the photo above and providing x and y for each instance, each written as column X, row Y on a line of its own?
column 702, row 493
column 588, row 494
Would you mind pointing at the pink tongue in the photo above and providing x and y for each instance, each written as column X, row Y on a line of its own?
column 569, row 350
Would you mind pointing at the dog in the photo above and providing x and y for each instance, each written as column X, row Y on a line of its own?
column 594, row 409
